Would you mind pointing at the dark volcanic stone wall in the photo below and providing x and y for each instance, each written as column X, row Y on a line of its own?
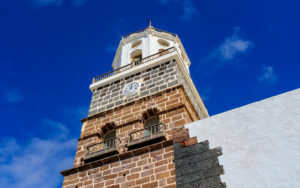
column 153, row 80
column 197, row 166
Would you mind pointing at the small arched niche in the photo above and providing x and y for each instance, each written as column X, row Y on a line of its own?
column 163, row 42
column 136, row 43
column 136, row 55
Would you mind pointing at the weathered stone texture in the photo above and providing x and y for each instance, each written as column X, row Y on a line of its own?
column 164, row 93
column 150, row 169
column 197, row 166
column 153, row 80
column 173, row 109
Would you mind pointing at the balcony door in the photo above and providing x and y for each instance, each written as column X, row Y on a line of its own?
column 151, row 126
column 109, row 140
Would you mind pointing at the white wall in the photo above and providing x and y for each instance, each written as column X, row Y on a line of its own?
column 260, row 142
column 149, row 46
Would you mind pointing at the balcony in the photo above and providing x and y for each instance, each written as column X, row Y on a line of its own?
column 134, row 64
column 102, row 149
column 147, row 136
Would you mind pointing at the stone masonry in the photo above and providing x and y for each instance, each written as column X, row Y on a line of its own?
column 173, row 108
column 198, row 166
column 153, row 80
column 163, row 93
column 144, row 168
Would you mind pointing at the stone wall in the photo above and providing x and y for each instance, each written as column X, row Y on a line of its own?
column 162, row 92
column 198, row 166
column 173, row 108
column 143, row 169
column 156, row 79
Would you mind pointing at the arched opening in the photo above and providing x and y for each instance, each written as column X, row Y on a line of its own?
column 107, row 128
column 106, row 146
column 109, row 139
column 151, row 122
column 136, row 55
column 153, row 131
column 151, row 126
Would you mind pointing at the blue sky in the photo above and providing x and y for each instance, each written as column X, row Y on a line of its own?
column 241, row 52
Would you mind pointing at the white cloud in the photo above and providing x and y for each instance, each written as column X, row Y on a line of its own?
column 233, row 46
column 11, row 96
column 188, row 8
column 228, row 50
column 267, row 76
column 38, row 162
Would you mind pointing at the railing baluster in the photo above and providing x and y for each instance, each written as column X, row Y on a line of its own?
column 147, row 132
column 106, row 144
column 136, row 63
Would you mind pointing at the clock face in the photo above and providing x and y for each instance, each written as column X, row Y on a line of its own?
column 131, row 88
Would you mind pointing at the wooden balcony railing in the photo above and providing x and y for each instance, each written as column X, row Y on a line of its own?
column 133, row 64
column 147, row 134
column 101, row 148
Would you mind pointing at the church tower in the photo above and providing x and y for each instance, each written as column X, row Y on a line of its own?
column 137, row 112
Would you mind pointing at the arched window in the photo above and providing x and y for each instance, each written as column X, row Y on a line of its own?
column 136, row 55
column 109, row 139
column 151, row 126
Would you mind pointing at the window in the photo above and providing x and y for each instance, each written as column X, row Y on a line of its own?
column 109, row 140
column 136, row 55
column 153, row 131
column 151, row 126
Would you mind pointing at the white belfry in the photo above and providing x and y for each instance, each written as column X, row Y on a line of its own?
column 144, row 43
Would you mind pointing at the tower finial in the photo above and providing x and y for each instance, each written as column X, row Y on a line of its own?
column 150, row 24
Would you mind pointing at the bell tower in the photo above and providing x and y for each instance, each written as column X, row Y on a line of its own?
column 127, row 139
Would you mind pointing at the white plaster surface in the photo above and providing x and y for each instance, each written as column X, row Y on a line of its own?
column 260, row 142
column 149, row 46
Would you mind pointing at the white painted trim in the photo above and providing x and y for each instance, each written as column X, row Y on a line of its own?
column 133, row 70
